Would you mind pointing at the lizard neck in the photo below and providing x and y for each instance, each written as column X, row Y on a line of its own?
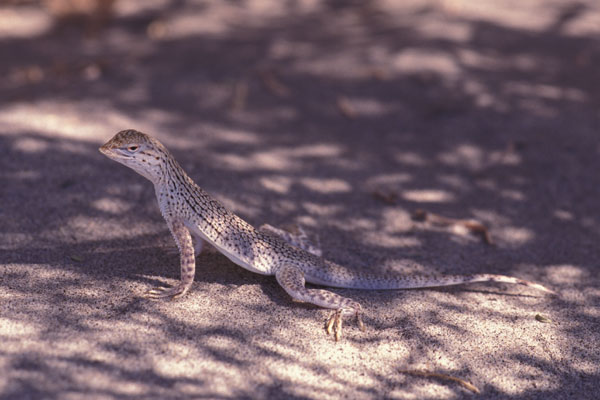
column 175, row 190
column 170, row 172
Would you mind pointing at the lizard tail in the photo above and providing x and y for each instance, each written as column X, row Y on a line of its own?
column 510, row 279
column 393, row 281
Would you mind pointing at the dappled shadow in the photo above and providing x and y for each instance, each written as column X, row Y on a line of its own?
column 298, row 113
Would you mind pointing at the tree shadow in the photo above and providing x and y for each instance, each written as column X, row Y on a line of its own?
column 483, row 121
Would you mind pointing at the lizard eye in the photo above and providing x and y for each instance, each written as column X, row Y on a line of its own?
column 133, row 148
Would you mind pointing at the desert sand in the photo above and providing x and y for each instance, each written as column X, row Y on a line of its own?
column 342, row 117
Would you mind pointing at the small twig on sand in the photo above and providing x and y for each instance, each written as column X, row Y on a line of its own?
column 240, row 93
column 542, row 319
column 428, row 374
column 387, row 196
column 273, row 84
column 473, row 226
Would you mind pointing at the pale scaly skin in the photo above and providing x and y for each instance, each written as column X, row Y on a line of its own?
column 190, row 211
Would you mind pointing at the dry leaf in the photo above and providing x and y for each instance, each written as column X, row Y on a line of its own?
column 92, row 72
column 345, row 107
column 419, row 215
column 478, row 228
column 156, row 30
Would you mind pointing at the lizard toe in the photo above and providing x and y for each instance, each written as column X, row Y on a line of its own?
column 172, row 292
column 335, row 321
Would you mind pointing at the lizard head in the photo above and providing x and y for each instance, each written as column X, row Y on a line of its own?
column 140, row 152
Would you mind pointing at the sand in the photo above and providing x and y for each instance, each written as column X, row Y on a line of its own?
column 342, row 117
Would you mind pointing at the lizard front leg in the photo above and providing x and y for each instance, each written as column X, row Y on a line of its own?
column 183, row 239
column 291, row 279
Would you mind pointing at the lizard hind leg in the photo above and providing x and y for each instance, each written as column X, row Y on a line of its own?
column 291, row 279
column 299, row 239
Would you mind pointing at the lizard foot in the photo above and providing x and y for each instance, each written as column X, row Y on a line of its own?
column 334, row 323
column 173, row 292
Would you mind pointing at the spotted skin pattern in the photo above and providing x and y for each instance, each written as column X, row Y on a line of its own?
column 292, row 259
column 300, row 240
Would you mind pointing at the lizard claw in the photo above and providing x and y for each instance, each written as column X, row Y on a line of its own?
column 359, row 321
column 162, row 292
column 334, row 323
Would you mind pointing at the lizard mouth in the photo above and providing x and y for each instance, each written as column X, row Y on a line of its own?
column 111, row 153
column 115, row 154
column 107, row 151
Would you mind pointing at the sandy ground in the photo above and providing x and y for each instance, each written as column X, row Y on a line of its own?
column 297, row 112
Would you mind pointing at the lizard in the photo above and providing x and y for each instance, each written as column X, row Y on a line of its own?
column 190, row 212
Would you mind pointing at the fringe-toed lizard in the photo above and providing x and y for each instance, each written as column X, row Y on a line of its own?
column 190, row 211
